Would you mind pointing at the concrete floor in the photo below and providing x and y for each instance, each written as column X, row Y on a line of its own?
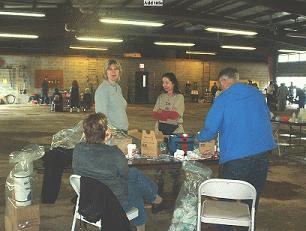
column 282, row 207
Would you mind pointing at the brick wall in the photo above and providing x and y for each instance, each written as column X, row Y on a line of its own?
column 88, row 71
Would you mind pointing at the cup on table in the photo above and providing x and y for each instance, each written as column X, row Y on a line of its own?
column 131, row 150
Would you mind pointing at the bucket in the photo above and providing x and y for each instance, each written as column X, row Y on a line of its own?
column 22, row 185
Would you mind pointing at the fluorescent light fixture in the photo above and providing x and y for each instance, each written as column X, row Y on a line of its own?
column 290, row 51
column 200, row 53
column 25, row 36
column 23, row 14
column 99, row 39
column 296, row 35
column 230, row 31
column 239, row 48
column 88, row 48
column 131, row 22
column 174, row 44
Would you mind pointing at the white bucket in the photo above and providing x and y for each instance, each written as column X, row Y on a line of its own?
column 22, row 185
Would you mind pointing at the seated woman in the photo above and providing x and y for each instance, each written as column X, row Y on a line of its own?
column 57, row 102
column 169, row 108
column 107, row 164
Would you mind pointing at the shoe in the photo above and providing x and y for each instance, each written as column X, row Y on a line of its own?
column 70, row 109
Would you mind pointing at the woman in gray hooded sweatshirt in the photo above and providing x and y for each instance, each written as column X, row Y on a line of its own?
column 109, row 99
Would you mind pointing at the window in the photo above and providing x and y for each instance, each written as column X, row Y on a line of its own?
column 297, row 81
column 303, row 57
column 292, row 57
column 283, row 58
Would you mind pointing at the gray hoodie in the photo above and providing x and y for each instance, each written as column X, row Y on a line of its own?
column 104, row 163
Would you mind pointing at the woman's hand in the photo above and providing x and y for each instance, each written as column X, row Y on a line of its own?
column 108, row 135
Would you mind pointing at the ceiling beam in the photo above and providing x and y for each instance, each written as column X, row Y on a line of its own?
column 240, row 8
column 256, row 15
column 216, row 7
column 126, row 2
column 290, row 6
column 212, row 4
column 184, row 4
column 280, row 19
column 293, row 25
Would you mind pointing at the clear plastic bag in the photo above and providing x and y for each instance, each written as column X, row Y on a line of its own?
column 19, row 186
column 68, row 138
column 185, row 213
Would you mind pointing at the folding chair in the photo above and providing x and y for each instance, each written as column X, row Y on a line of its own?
column 276, row 132
column 222, row 203
column 75, row 183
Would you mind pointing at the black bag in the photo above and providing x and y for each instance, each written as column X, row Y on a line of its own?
column 167, row 129
column 91, row 213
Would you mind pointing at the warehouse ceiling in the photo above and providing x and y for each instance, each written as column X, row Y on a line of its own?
column 280, row 24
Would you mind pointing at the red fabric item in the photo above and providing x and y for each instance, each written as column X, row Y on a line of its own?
column 159, row 115
column 171, row 114
column 165, row 115
column 155, row 115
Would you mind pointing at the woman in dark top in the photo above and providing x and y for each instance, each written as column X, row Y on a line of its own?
column 75, row 96
column 107, row 164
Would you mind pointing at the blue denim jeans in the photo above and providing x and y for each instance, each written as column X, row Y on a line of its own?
column 253, row 169
column 140, row 187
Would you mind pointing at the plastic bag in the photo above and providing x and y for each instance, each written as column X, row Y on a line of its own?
column 18, row 187
column 68, row 138
column 185, row 213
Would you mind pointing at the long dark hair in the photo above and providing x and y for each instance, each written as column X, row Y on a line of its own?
column 171, row 76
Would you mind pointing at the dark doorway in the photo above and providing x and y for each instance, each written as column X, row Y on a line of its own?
column 141, row 87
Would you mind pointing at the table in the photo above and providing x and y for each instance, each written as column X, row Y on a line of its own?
column 163, row 165
column 299, row 135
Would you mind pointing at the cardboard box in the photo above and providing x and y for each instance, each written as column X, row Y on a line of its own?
column 150, row 143
column 25, row 218
column 207, row 149
column 136, row 133
column 122, row 143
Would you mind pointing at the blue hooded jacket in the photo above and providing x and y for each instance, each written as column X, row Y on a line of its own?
column 242, row 118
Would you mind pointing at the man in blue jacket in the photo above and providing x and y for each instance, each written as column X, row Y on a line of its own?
column 241, row 117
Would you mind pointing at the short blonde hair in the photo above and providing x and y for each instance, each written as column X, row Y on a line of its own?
column 108, row 64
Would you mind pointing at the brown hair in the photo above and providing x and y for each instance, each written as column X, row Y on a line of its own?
column 108, row 64
column 95, row 126
column 75, row 83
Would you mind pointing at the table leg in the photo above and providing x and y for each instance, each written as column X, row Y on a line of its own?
column 290, row 134
column 176, row 176
column 300, row 134
column 160, row 181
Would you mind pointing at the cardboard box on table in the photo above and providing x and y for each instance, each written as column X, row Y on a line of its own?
column 122, row 143
column 207, row 149
column 21, row 218
column 150, row 143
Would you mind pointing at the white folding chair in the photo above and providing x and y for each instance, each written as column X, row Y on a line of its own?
column 75, row 183
column 276, row 132
column 222, row 205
